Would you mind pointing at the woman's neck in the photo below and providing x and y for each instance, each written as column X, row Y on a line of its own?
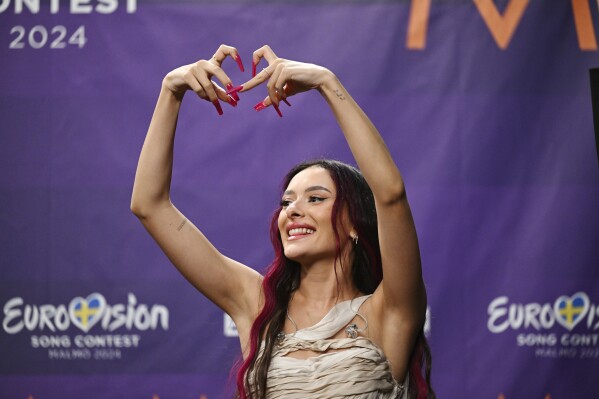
column 322, row 287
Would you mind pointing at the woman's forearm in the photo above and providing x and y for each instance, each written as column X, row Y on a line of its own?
column 154, row 169
column 365, row 142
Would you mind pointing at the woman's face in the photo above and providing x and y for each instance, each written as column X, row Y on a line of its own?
column 305, row 218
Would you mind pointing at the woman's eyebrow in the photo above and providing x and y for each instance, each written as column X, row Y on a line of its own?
column 311, row 188
column 317, row 188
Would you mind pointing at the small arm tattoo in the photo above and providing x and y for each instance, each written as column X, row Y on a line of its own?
column 339, row 94
column 182, row 224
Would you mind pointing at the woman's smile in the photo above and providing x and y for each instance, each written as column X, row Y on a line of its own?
column 296, row 231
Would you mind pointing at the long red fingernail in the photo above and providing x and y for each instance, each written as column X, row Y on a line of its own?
column 260, row 106
column 277, row 109
column 232, row 101
column 239, row 63
column 253, row 69
column 286, row 102
column 218, row 107
column 232, row 91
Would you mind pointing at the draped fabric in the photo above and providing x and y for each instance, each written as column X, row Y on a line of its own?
column 343, row 368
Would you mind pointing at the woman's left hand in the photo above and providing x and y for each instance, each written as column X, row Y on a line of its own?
column 284, row 78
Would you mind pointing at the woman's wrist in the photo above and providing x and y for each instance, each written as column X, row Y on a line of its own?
column 331, row 88
column 167, row 91
column 329, row 81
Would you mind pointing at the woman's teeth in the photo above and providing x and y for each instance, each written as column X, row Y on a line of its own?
column 294, row 232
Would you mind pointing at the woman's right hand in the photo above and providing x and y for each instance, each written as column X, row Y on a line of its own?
column 198, row 78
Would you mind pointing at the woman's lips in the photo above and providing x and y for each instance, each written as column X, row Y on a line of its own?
column 296, row 231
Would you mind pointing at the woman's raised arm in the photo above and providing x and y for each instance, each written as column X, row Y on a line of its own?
column 402, row 288
column 399, row 303
column 230, row 285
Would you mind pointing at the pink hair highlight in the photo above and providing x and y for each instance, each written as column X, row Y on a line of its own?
column 416, row 371
column 275, row 270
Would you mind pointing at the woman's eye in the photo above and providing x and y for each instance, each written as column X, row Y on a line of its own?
column 316, row 199
column 284, row 203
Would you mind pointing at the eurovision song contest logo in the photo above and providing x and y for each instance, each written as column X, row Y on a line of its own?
column 542, row 325
column 52, row 325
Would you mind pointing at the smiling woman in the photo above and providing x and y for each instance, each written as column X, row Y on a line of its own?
column 340, row 310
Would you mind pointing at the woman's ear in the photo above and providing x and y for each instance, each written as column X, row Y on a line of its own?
column 353, row 234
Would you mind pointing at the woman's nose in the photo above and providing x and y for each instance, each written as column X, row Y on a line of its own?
column 294, row 210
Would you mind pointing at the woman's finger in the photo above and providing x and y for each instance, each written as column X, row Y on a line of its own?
column 263, row 104
column 203, row 78
column 256, row 80
column 267, row 103
column 223, row 96
column 281, row 82
column 287, row 91
column 219, row 73
column 282, row 87
column 273, row 90
column 262, row 76
column 263, row 52
column 222, row 53
column 190, row 79
column 208, row 87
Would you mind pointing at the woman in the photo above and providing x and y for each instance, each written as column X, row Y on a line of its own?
column 340, row 311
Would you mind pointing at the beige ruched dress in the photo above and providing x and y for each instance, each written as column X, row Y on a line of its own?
column 346, row 368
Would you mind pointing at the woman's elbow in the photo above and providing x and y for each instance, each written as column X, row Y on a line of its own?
column 142, row 207
column 137, row 208
column 392, row 195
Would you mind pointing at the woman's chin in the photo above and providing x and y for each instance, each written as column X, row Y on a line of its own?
column 305, row 258
column 294, row 256
column 299, row 256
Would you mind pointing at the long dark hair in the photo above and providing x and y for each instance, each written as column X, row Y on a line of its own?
column 283, row 276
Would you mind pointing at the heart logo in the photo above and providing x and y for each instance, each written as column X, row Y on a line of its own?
column 569, row 311
column 86, row 312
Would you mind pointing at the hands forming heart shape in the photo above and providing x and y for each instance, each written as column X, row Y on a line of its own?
column 284, row 78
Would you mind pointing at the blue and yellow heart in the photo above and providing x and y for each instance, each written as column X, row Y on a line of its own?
column 86, row 312
column 570, row 311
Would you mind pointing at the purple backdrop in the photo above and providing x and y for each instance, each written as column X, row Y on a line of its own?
column 496, row 146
